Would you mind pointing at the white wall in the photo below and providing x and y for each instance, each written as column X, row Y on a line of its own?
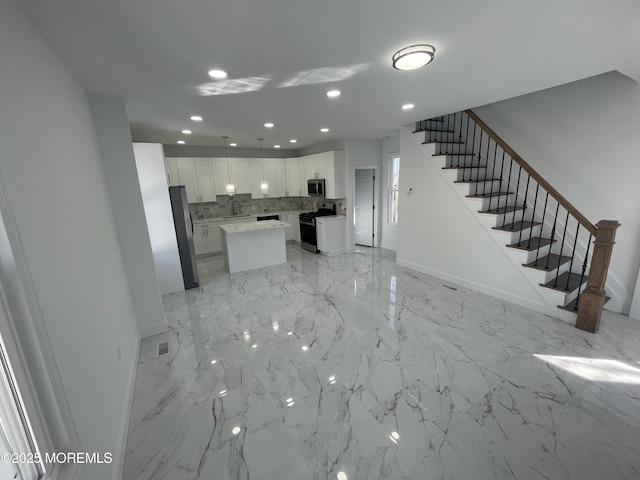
column 55, row 182
column 439, row 233
column 121, row 177
column 388, row 231
column 157, row 206
column 583, row 138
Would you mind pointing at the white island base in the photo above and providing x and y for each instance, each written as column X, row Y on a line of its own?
column 252, row 245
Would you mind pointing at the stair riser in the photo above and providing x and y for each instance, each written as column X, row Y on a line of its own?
column 509, row 217
column 488, row 186
column 531, row 256
column 549, row 276
column 513, row 237
column 496, row 202
column 459, row 161
column 452, row 148
column 436, row 136
column 471, row 174
column 555, row 297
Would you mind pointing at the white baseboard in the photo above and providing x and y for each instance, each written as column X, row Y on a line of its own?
column 333, row 253
column 155, row 330
column 123, row 433
column 509, row 297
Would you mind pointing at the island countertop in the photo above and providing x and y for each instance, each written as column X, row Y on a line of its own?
column 253, row 226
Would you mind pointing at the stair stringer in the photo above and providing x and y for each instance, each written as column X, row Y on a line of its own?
column 468, row 252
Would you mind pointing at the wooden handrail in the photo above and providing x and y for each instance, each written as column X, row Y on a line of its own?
column 536, row 176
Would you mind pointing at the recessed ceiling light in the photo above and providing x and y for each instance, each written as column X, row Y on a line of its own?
column 276, row 146
column 196, row 118
column 293, row 140
column 233, row 144
column 408, row 106
column 333, row 93
column 413, row 57
column 217, row 74
column 324, row 130
column 187, row 132
column 180, row 142
column 268, row 125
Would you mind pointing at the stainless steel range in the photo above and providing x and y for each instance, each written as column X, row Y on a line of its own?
column 308, row 238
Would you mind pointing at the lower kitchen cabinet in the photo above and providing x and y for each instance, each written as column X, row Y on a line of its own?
column 293, row 231
column 331, row 234
column 207, row 237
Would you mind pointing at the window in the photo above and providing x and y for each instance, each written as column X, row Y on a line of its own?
column 394, row 176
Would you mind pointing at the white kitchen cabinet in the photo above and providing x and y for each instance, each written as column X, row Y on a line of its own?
column 274, row 174
column 171, row 169
column 335, row 175
column 331, row 234
column 207, row 237
column 187, row 174
column 204, row 178
column 292, row 232
column 296, row 187
column 239, row 174
column 196, row 175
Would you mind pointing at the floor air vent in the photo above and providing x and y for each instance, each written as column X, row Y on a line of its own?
column 163, row 348
column 450, row 287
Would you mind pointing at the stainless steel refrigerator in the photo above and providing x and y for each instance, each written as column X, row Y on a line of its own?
column 184, row 234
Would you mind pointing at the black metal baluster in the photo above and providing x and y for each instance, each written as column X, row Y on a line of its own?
column 475, row 127
column 459, row 137
column 504, row 219
column 493, row 172
column 501, row 180
column 553, row 235
column 447, row 136
column 544, row 214
column 516, row 193
column 479, row 157
column 484, row 184
column 524, row 210
column 584, row 269
column 466, row 139
column 564, row 234
column 573, row 254
column 533, row 214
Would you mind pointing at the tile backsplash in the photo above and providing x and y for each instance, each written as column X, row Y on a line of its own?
column 246, row 205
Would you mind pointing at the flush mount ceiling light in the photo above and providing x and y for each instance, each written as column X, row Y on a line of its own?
column 216, row 73
column 413, row 57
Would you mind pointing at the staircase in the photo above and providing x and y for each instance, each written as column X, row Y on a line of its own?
column 536, row 224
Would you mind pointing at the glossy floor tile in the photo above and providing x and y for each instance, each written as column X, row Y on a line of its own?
column 353, row 368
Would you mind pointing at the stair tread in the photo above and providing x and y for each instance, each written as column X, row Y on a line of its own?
column 443, row 142
column 464, row 168
column 478, row 181
column 458, row 154
column 516, row 226
column 548, row 262
column 490, row 195
column 500, row 210
column 574, row 282
column 531, row 244
column 571, row 306
column 434, row 131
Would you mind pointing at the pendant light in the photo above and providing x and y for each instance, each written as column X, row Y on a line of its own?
column 231, row 188
column 264, row 186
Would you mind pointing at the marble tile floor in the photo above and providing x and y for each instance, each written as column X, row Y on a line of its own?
column 354, row 368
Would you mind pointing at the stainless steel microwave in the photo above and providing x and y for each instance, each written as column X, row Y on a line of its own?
column 315, row 187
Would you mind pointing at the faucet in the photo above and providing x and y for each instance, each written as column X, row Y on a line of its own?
column 235, row 207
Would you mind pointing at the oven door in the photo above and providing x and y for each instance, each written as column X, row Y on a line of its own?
column 308, row 239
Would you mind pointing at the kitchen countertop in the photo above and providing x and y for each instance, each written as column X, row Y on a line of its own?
column 245, row 216
column 253, row 226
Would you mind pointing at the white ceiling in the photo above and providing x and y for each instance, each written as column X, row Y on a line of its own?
column 156, row 54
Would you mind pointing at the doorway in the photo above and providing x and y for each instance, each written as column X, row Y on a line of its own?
column 364, row 207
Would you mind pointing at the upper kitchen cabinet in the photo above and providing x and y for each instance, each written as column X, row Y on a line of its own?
column 296, row 187
column 327, row 165
column 274, row 174
column 171, row 169
column 196, row 175
column 335, row 174
column 239, row 174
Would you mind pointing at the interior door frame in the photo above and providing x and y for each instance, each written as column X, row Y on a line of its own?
column 376, row 203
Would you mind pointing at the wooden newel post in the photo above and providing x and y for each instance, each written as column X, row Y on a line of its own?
column 593, row 298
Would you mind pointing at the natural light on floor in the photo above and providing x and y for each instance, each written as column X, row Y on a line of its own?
column 595, row 369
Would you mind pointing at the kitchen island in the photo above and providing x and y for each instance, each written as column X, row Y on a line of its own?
column 250, row 245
